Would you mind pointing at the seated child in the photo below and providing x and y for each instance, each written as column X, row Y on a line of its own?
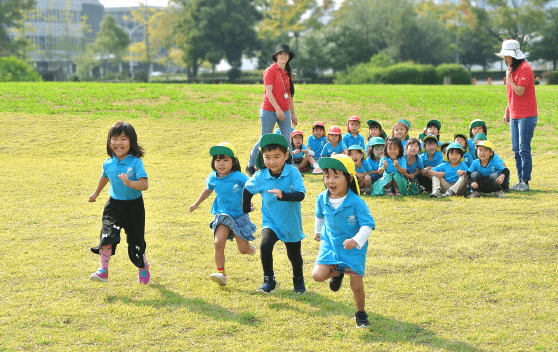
column 482, row 137
column 281, row 187
column 462, row 139
column 432, row 127
column 414, row 166
column 392, row 168
column 401, row 130
column 343, row 224
column 334, row 143
column 485, row 174
column 444, row 147
column 302, row 156
column 375, row 130
column 375, row 154
column 362, row 168
column 316, row 143
column 450, row 177
column 430, row 157
column 353, row 137
column 477, row 126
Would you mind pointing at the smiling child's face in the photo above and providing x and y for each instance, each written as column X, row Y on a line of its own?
column 484, row 153
column 224, row 165
column 431, row 146
column 454, row 156
column 432, row 129
column 374, row 131
column 356, row 156
column 413, row 149
column 477, row 129
column 275, row 160
column 461, row 141
column 318, row 132
column 336, row 183
column 393, row 151
column 400, row 131
column 120, row 145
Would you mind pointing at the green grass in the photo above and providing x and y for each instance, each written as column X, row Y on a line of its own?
column 442, row 275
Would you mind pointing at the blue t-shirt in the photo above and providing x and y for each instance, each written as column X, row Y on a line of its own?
column 364, row 166
column 328, row 149
column 390, row 167
column 492, row 167
column 374, row 165
column 282, row 217
column 467, row 159
column 450, row 172
column 131, row 166
column 416, row 165
column 339, row 225
column 471, row 147
column 436, row 160
column 228, row 193
column 317, row 145
column 349, row 140
column 300, row 154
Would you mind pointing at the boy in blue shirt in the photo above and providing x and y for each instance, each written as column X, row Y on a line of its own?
column 486, row 175
column 482, row 137
column 431, row 156
column 353, row 136
column 281, row 187
column 450, row 177
column 316, row 143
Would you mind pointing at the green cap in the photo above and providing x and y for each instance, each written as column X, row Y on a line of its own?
column 436, row 122
column 343, row 163
column 480, row 136
column 357, row 147
column 476, row 123
column 272, row 138
column 377, row 141
column 222, row 149
column 454, row 145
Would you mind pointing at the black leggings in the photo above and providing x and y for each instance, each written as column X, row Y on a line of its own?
column 269, row 238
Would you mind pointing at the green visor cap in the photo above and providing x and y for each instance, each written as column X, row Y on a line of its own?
column 272, row 138
column 222, row 149
column 436, row 122
column 480, row 136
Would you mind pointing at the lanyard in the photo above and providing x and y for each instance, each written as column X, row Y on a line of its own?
column 281, row 75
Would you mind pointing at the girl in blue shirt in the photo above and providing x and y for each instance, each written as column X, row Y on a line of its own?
column 343, row 224
column 375, row 153
column 414, row 166
column 392, row 168
column 485, row 174
column 334, row 143
column 124, row 208
column 353, row 136
column 450, row 177
column 302, row 156
column 362, row 168
column 229, row 220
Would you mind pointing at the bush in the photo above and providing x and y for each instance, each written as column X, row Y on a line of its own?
column 14, row 70
column 458, row 73
column 409, row 73
column 141, row 76
column 74, row 78
column 552, row 78
column 234, row 75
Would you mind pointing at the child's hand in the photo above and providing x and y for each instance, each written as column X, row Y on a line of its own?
column 192, row 207
column 474, row 185
column 318, row 236
column 395, row 162
column 276, row 192
column 384, row 164
column 296, row 151
column 349, row 244
column 500, row 179
column 461, row 173
column 93, row 197
column 125, row 179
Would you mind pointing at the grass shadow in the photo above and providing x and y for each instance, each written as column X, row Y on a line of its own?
column 196, row 305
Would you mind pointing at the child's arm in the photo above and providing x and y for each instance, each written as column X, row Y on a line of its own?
column 247, row 205
column 102, row 183
column 318, row 225
column 382, row 168
column 438, row 174
column 502, row 177
column 401, row 170
column 203, row 196
column 359, row 239
column 139, row 185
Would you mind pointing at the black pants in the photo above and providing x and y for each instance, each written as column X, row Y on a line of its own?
column 487, row 184
column 425, row 182
column 269, row 238
column 130, row 216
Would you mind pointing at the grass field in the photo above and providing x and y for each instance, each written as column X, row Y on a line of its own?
column 442, row 275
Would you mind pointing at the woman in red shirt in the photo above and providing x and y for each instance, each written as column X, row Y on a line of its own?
column 277, row 106
column 521, row 112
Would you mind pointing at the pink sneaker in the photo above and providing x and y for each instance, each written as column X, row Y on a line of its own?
column 144, row 275
column 100, row 275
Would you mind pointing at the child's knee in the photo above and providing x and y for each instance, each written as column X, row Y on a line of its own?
column 319, row 273
column 135, row 253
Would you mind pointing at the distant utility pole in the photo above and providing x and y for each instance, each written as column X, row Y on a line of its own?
column 146, row 20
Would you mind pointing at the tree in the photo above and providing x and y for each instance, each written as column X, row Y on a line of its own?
column 11, row 14
column 112, row 42
column 547, row 47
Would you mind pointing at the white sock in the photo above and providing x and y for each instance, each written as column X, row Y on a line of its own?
column 315, row 165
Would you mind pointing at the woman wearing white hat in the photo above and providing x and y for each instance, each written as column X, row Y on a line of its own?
column 521, row 112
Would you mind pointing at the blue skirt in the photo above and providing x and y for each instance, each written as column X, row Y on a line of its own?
column 240, row 226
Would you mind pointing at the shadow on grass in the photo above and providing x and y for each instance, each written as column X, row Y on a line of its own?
column 196, row 305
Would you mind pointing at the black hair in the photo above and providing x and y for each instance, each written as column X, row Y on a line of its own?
column 347, row 177
column 515, row 63
column 460, row 151
column 411, row 141
column 292, row 144
column 397, row 141
column 318, row 126
column 235, row 162
column 471, row 131
column 124, row 127
column 375, row 125
column 271, row 147
column 289, row 74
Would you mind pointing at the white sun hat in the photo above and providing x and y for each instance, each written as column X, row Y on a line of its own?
column 510, row 47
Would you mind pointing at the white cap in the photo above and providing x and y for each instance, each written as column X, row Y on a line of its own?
column 511, row 48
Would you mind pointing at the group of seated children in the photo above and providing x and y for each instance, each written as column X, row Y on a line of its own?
column 399, row 165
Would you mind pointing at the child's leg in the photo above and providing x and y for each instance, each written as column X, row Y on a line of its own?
column 295, row 256
column 460, row 186
column 244, row 247
column 444, row 184
column 269, row 238
column 367, row 182
column 221, row 235
column 105, row 252
column 304, row 163
column 323, row 272
column 357, row 286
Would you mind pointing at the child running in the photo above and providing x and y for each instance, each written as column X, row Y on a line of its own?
column 353, row 136
column 334, row 143
column 392, row 168
column 450, row 177
column 229, row 221
column 343, row 224
column 302, row 156
column 316, row 143
column 124, row 208
column 281, row 187
column 362, row 168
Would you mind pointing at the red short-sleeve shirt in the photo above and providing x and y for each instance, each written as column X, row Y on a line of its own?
column 272, row 77
column 523, row 106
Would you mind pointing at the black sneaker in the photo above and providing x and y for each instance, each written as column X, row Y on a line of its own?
column 335, row 282
column 298, row 283
column 362, row 319
column 250, row 170
column 449, row 193
column 268, row 285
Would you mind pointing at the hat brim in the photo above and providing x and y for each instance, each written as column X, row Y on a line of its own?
column 332, row 163
column 519, row 55
column 272, row 138
column 221, row 150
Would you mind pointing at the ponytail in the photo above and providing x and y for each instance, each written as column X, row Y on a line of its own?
column 289, row 74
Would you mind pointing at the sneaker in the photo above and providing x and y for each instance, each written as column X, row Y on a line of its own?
column 361, row 319
column 388, row 192
column 475, row 194
column 144, row 275
column 500, row 194
column 252, row 249
column 449, row 193
column 219, row 278
column 298, row 283
column 268, row 286
column 523, row 187
column 436, row 193
column 317, row 171
column 100, row 275
column 250, row 170
column 516, row 186
column 335, row 282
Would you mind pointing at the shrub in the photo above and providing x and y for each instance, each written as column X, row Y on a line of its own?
column 74, row 78
column 141, row 76
column 458, row 73
column 409, row 73
column 14, row 70
column 234, row 75
column 552, row 78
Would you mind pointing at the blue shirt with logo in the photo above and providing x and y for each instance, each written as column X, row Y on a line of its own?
column 349, row 140
column 300, row 154
column 436, row 160
column 364, row 166
column 492, row 167
column 228, row 193
column 328, row 149
column 339, row 225
column 282, row 217
column 131, row 166
column 390, row 167
column 317, row 145
column 450, row 172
